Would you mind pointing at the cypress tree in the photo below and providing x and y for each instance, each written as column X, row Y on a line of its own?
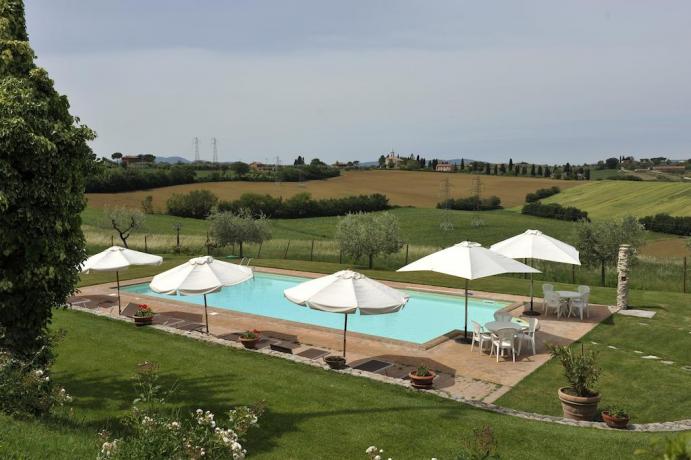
column 44, row 157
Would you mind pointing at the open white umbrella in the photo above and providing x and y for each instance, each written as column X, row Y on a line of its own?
column 470, row 261
column 533, row 244
column 347, row 292
column 201, row 275
column 115, row 259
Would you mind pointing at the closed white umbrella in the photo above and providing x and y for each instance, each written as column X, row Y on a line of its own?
column 347, row 292
column 470, row 261
column 201, row 275
column 533, row 244
column 115, row 259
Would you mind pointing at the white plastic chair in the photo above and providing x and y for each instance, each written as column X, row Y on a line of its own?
column 528, row 334
column 502, row 316
column 479, row 336
column 504, row 339
column 552, row 302
column 546, row 288
column 580, row 304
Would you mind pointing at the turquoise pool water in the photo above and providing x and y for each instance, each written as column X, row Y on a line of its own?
column 425, row 316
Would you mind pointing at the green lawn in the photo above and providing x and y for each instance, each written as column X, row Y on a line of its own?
column 311, row 413
column 605, row 199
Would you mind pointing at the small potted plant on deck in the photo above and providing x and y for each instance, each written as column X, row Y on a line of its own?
column 335, row 361
column 422, row 378
column 615, row 417
column 579, row 399
column 144, row 315
column 250, row 338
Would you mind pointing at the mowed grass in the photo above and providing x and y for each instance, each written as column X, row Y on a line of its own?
column 607, row 199
column 311, row 413
column 404, row 188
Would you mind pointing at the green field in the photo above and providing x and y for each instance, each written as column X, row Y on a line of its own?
column 311, row 413
column 606, row 199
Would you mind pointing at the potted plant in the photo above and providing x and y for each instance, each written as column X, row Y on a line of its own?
column 578, row 400
column 250, row 338
column 335, row 361
column 615, row 417
column 422, row 378
column 144, row 315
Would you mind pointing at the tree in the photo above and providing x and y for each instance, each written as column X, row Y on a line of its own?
column 44, row 157
column 539, row 170
column 117, row 156
column 197, row 204
column 462, row 165
column 532, row 170
column 487, row 168
column 300, row 160
column 382, row 161
column 362, row 234
column 239, row 168
column 123, row 220
column 510, row 164
column 598, row 242
column 317, row 162
column 612, row 163
column 239, row 228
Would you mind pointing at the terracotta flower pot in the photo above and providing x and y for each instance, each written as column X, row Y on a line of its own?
column 422, row 382
column 335, row 362
column 249, row 342
column 582, row 408
column 615, row 422
column 143, row 320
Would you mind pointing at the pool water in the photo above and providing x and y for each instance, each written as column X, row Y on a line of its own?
column 425, row 317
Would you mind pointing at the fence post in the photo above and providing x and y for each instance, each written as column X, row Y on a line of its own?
column 146, row 247
column 312, row 252
column 406, row 253
column 285, row 254
column 340, row 256
column 111, row 241
column 259, row 251
column 685, row 274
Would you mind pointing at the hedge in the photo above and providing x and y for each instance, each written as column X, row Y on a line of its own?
column 541, row 193
column 471, row 203
column 554, row 211
column 667, row 224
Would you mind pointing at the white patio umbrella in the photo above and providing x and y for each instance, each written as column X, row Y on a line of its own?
column 470, row 261
column 115, row 259
column 201, row 275
column 533, row 244
column 347, row 292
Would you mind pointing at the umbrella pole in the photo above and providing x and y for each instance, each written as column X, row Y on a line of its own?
column 117, row 279
column 206, row 315
column 345, row 329
column 465, row 338
column 531, row 312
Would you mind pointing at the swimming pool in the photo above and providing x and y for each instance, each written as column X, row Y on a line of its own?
column 425, row 317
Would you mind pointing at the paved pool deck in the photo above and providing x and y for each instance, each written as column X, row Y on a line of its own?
column 473, row 375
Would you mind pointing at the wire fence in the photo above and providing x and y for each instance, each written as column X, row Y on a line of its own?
column 647, row 273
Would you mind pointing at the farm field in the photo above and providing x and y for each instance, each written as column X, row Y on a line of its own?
column 404, row 188
column 603, row 199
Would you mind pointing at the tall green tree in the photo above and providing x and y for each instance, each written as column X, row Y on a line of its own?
column 362, row 234
column 44, row 157
column 238, row 228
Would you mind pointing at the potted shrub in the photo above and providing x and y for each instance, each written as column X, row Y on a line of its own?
column 579, row 399
column 422, row 378
column 615, row 417
column 250, row 338
column 144, row 315
column 335, row 361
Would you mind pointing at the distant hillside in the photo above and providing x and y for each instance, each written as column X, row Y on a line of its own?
column 172, row 160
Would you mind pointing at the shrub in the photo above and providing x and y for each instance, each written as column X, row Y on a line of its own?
column 676, row 225
column 580, row 369
column 630, row 177
column 471, row 203
column 554, row 211
column 541, row 193
column 104, row 179
column 302, row 205
column 197, row 204
column 239, row 228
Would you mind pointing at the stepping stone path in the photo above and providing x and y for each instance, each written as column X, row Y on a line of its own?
column 638, row 351
column 612, row 347
column 667, row 362
column 651, row 357
column 637, row 313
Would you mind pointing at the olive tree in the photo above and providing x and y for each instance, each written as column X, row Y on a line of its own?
column 44, row 158
column 598, row 242
column 370, row 235
column 123, row 220
column 239, row 228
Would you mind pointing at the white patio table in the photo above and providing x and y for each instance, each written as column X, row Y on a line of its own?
column 494, row 326
column 568, row 295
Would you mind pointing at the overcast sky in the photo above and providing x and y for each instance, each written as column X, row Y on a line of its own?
column 542, row 81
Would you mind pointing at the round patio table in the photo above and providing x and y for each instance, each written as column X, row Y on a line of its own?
column 494, row 326
column 568, row 295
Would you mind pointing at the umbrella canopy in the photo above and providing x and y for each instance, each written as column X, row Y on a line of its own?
column 115, row 259
column 347, row 292
column 201, row 275
column 470, row 261
column 533, row 244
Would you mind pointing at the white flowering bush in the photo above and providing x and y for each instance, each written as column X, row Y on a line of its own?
column 26, row 388
column 157, row 433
